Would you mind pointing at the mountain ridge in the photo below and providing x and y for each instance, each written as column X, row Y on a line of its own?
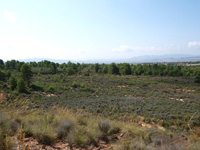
column 134, row 60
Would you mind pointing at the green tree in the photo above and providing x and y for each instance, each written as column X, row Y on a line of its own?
column 12, row 83
column 73, row 66
column 96, row 67
column 21, row 88
column 113, row 69
column 125, row 69
column 139, row 69
column 1, row 64
column 19, row 65
column 8, row 73
column 2, row 76
column 33, row 64
column 79, row 69
column 70, row 71
column 26, row 73
column 13, row 64
column 53, row 67
column 7, row 65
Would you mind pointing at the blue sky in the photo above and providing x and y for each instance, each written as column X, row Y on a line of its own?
column 98, row 29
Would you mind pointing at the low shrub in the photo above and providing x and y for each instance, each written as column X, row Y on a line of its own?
column 87, row 90
column 197, row 79
column 87, row 73
column 51, row 89
column 74, row 84
column 104, row 126
column 63, row 129
column 115, row 130
column 82, row 121
column 82, row 85
column 45, row 138
column 7, row 128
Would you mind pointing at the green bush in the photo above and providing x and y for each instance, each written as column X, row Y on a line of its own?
column 13, row 94
column 74, row 84
column 82, row 85
column 35, row 87
column 55, row 79
column 51, row 89
column 87, row 90
column 87, row 73
column 197, row 79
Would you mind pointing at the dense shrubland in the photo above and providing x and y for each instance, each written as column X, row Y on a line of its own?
column 151, row 94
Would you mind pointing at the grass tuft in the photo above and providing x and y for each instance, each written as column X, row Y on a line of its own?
column 64, row 128
column 104, row 126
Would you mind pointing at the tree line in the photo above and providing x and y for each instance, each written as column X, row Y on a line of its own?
column 48, row 67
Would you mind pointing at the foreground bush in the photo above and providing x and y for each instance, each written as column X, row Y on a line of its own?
column 49, row 127
column 64, row 128
column 7, row 128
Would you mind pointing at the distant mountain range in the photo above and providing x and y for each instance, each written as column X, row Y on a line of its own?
column 134, row 60
column 60, row 61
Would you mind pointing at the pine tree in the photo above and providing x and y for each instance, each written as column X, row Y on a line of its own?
column 21, row 88
column 13, row 83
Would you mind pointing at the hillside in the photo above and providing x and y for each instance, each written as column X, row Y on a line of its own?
column 52, row 106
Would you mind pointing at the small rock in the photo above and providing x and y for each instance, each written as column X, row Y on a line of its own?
column 49, row 148
column 26, row 139
column 43, row 146
column 102, row 142
column 61, row 146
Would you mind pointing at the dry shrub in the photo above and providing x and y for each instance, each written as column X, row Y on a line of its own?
column 104, row 126
column 64, row 128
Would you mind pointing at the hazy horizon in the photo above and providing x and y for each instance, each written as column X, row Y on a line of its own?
column 106, row 29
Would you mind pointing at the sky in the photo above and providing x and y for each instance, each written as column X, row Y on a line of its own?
column 98, row 29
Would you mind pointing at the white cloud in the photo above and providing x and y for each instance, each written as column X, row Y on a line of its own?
column 0, row 9
column 124, row 48
column 10, row 16
column 193, row 44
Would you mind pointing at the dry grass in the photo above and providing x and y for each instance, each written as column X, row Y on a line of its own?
column 83, row 129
